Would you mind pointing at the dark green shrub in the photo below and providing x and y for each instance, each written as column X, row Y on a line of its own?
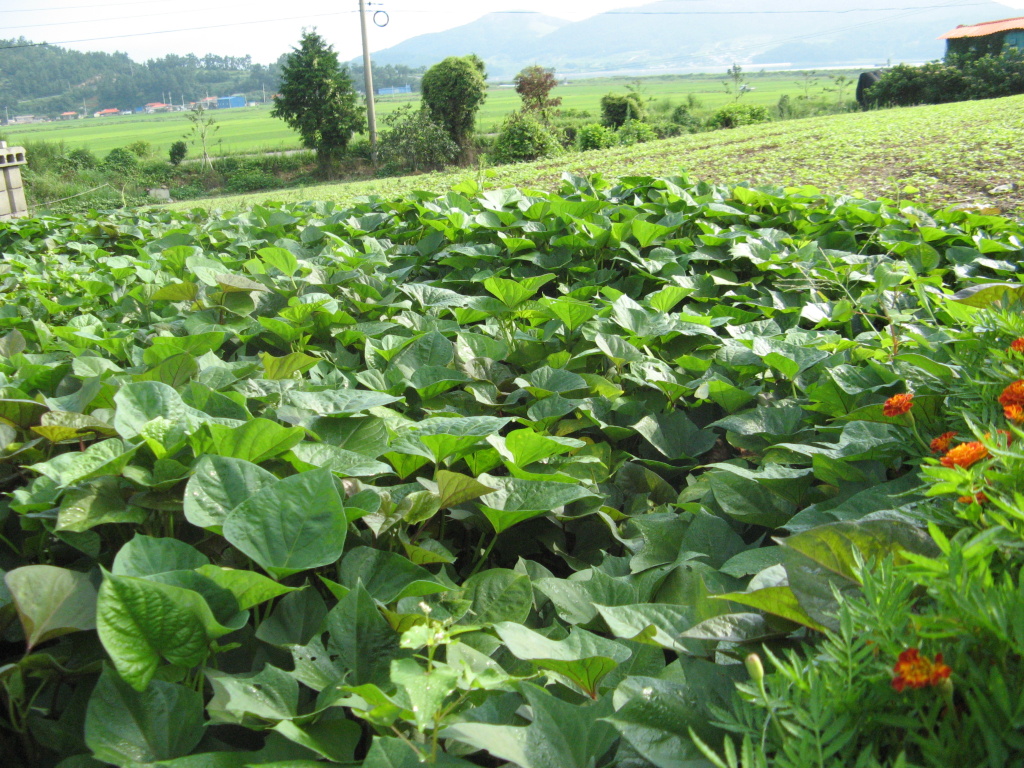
column 177, row 152
column 522, row 138
column 121, row 161
column 683, row 117
column 617, row 108
column 413, row 142
column 735, row 115
column 636, row 132
column 959, row 78
column 154, row 173
column 250, row 180
column 142, row 149
column 188, row 192
column 82, row 158
column 595, row 136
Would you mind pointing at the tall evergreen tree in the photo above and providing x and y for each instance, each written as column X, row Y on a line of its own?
column 317, row 99
column 453, row 91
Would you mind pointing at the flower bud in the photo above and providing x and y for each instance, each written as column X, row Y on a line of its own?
column 754, row 668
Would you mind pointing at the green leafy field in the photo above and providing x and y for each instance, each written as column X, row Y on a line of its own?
column 498, row 477
column 253, row 129
column 951, row 154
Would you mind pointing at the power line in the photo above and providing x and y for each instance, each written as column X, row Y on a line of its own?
column 184, row 29
column 624, row 12
column 76, row 7
column 95, row 21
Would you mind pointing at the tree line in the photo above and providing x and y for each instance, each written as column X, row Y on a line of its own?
column 47, row 79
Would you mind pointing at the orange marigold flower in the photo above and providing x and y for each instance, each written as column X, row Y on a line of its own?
column 964, row 455
column 913, row 670
column 897, row 405
column 941, row 443
column 1013, row 394
column 1017, row 345
column 1014, row 413
column 1004, row 432
column 979, row 497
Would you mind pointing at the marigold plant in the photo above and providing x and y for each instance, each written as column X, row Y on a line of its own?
column 964, row 455
column 899, row 404
column 1013, row 394
column 912, row 670
column 942, row 443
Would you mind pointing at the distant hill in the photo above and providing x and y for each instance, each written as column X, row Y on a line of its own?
column 680, row 35
column 499, row 39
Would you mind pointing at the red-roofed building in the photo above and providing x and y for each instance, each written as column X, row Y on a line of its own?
column 106, row 112
column 989, row 37
column 157, row 106
column 67, row 116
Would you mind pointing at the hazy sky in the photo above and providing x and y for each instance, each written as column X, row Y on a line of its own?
column 265, row 29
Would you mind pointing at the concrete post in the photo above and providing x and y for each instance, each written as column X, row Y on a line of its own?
column 12, row 192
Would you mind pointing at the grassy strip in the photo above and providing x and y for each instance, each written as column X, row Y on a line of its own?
column 951, row 153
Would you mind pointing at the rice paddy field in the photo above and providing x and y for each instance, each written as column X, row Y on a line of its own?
column 252, row 129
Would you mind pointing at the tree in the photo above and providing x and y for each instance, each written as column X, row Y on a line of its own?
column 412, row 141
column 453, row 91
column 177, row 152
column 617, row 108
column 203, row 126
column 534, row 84
column 317, row 99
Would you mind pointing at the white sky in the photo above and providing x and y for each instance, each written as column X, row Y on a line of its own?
column 263, row 29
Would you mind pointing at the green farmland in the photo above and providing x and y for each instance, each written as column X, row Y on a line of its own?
column 946, row 154
column 254, row 130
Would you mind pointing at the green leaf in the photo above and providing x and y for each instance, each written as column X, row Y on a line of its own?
column 527, row 446
column 255, row 441
column 338, row 460
column 146, row 556
column 337, row 402
column 279, row 258
column 360, row 640
column 582, row 657
column 576, row 599
column 392, row 752
column 455, row 489
column 653, row 623
column 107, row 457
column 425, row 690
column 248, row 587
column 675, row 435
column 295, row 620
column 987, row 294
column 51, row 601
column 275, row 368
column 268, row 695
column 219, row 485
column 141, row 622
column 656, row 715
column 125, row 726
column 283, row 532
column 513, row 293
column 779, row 601
column 562, row 734
column 95, row 503
column 515, row 500
column 499, row 594
column 386, row 576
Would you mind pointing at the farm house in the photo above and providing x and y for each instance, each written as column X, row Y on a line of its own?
column 989, row 37
column 234, row 100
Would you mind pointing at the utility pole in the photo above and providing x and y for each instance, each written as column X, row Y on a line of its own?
column 371, row 116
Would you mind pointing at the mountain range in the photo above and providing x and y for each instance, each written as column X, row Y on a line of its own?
column 702, row 35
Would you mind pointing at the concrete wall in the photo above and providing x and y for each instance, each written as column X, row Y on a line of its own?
column 12, row 192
